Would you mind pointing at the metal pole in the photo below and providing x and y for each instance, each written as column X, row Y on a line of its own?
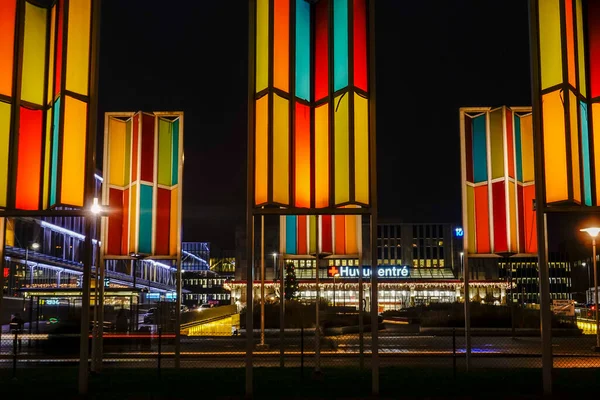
column 178, row 314
column 250, row 198
column 467, row 308
column 318, row 300
column 540, row 195
column 334, row 290
column 361, row 322
column 596, row 296
column 85, row 308
column 262, row 280
column 101, row 266
column 374, row 307
column 2, row 235
column 281, row 314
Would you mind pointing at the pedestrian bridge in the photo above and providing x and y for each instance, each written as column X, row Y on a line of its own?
column 218, row 321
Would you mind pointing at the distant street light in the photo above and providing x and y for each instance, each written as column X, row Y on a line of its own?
column 593, row 232
column 96, row 209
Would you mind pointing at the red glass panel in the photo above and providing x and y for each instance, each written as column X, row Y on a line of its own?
column 115, row 222
column 301, row 237
column 521, row 221
column 321, row 50
column 360, row 44
column 593, row 24
column 163, row 213
column 147, row 168
column 499, row 212
column 29, row 159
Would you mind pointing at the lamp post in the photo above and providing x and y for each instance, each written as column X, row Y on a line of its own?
column 593, row 232
column 34, row 246
column 584, row 264
column 462, row 256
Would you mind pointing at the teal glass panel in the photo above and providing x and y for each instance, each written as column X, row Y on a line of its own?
column 54, row 156
column 145, row 227
column 303, row 50
column 480, row 172
column 290, row 234
column 340, row 44
column 585, row 145
column 175, row 158
column 518, row 148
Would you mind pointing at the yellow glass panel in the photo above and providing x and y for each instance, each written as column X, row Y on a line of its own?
column 133, row 218
column 78, row 46
column 261, row 150
column 322, row 156
column 351, row 235
column 497, row 143
column 34, row 54
column 580, row 48
column 51, row 55
column 471, row 219
column 9, row 238
column 47, row 149
column 262, row 44
column 361, row 149
column 527, row 148
column 73, row 152
column 555, row 149
column 341, row 150
column 174, row 221
column 596, row 128
column 512, row 216
column 573, row 105
column 281, row 155
column 550, row 43
column 117, row 134
column 4, row 146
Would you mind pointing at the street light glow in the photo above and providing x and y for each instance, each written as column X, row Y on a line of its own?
column 592, row 231
column 35, row 246
column 96, row 209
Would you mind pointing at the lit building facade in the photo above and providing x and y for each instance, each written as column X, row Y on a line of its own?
column 195, row 256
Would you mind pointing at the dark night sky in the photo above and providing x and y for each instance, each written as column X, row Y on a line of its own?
column 432, row 58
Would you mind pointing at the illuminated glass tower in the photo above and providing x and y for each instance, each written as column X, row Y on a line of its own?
column 46, row 75
column 311, row 112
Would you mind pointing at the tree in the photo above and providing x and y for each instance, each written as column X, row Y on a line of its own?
column 291, row 284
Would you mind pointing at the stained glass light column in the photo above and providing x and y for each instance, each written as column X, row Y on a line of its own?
column 44, row 100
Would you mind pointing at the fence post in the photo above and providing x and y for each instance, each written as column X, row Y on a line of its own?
column 454, row 351
column 302, row 349
column 15, row 355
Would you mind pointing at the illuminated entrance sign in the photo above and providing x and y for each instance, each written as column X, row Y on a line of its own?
column 383, row 271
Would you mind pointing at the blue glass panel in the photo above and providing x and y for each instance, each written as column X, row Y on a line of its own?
column 290, row 234
column 340, row 44
column 175, row 157
column 480, row 172
column 585, row 142
column 518, row 148
column 303, row 50
column 54, row 156
column 145, row 232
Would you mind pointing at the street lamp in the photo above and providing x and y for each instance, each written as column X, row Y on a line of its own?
column 462, row 255
column 593, row 232
column 96, row 209
column 34, row 246
column 275, row 266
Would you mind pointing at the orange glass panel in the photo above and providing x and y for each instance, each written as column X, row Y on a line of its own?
column 555, row 149
column 322, row 156
column 73, row 152
column 351, row 236
column 78, row 46
column 340, row 234
column 261, row 150
column 30, row 159
column 281, row 153
column 573, row 106
column 5, row 109
column 7, row 42
column 302, row 155
column 482, row 219
column 281, row 45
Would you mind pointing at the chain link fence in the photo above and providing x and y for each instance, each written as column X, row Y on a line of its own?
column 428, row 336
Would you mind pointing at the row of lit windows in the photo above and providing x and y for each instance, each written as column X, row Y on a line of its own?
column 203, row 282
column 206, row 297
column 564, row 281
